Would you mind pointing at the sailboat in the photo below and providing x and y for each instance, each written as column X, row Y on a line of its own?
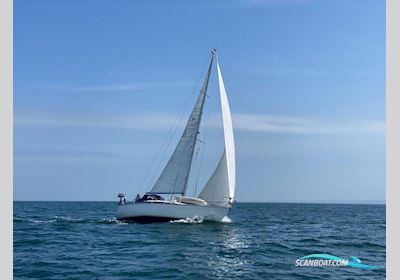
column 217, row 196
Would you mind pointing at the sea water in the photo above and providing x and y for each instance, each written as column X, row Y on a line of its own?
column 83, row 240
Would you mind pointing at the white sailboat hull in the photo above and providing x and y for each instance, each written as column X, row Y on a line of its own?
column 146, row 212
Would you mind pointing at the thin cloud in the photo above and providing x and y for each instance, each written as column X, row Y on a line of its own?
column 65, row 156
column 283, row 72
column 300, row 125
column 121, row 87
column 139, row 121
column 256, row 123
column 112, row 87
column 130, row 87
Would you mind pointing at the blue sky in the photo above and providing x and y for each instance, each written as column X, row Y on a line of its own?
column 98, row 86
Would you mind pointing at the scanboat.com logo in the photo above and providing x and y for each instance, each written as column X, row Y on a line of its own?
column 331, row 260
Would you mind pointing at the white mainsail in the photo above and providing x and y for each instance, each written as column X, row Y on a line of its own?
column 220, row 188
column 174, row 177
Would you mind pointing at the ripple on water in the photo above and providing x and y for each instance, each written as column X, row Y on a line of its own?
column 84, row 240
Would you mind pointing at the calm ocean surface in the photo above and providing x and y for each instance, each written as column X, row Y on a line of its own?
column 82, row 240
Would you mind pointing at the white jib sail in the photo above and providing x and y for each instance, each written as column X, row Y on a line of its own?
column 220, row 188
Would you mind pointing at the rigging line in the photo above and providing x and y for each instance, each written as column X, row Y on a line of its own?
column 172, row 131
column 169, row 136
column 180, row 120
column 202, row 152
column 204, row 92
column 202, row 146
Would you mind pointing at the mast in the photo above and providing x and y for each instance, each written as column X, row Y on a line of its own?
column 174, row 178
